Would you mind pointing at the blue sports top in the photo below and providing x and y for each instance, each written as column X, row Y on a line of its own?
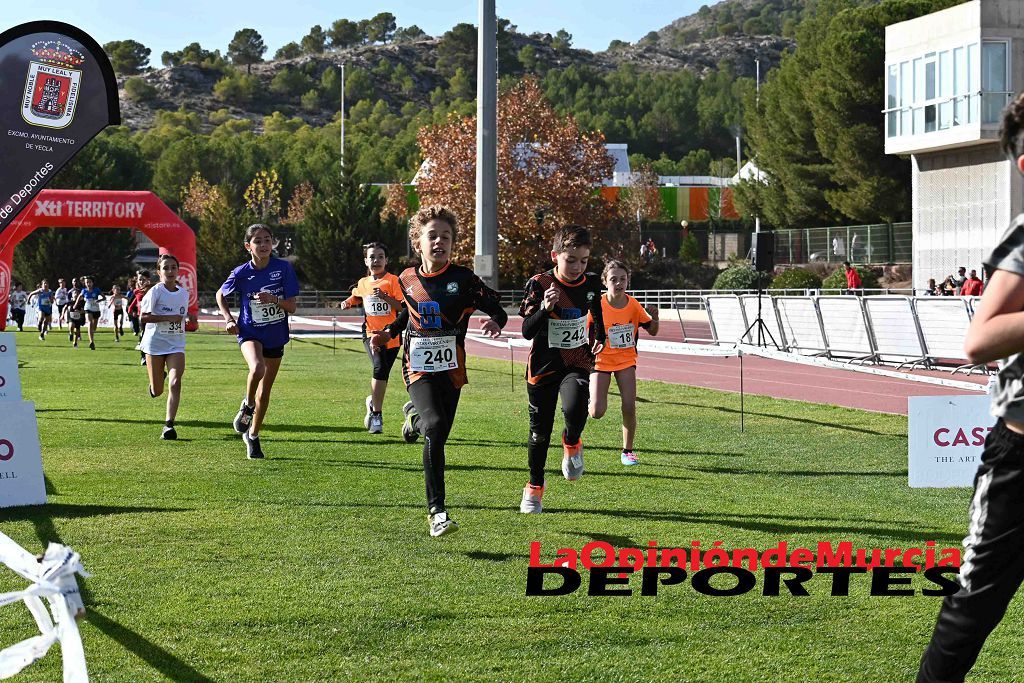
column 265, row 323
column 44, row 299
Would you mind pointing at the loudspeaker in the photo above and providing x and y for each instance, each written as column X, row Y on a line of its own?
column 763, row 248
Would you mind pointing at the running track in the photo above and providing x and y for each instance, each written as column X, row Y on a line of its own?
column 762, row 376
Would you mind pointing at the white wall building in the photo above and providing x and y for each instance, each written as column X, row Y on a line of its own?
column 948, row 76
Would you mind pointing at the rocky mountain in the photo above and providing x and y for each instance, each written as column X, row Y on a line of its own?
column 191, row 86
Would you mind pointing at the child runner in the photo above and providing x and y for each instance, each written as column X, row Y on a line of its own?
column 439, row 298
column 76, row 318
column 117, row 300
column 623, row 317
column 142, row 284
column 18, row 299
column 380, row 295
column 554, row 309
column 266, row 287
column 60, row 299
column 92, row 295
column 164, row 313
column 44, row 301
column 993, row 564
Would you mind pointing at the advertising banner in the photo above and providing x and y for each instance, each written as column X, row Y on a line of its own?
column 10, row 384
column 59, row 91
column 946, row 435
column 21, row 463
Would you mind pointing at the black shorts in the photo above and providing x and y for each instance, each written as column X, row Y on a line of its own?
column 95, row 315
column 275, row 352
column 382, row 361
column 76, row 322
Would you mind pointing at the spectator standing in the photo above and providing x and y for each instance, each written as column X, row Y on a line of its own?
column 959, row 279
column 852, row 276
column 973, row 286
column 932, row 289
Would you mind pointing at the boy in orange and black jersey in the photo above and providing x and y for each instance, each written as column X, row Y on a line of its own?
column 440, row 297
column 555, row 308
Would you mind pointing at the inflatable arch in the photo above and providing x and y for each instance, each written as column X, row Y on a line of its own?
column 103, row 209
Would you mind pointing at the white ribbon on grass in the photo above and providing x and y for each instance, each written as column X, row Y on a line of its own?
column 52, row 578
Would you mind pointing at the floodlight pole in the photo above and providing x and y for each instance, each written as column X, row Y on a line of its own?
column 342, row 116
column 486, row 261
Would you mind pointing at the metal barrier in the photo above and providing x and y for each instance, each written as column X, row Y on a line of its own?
column 914, row 331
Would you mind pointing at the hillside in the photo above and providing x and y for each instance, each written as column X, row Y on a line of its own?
column 423, row 66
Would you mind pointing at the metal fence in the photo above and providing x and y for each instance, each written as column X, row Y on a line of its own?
column 879, row 243
column 511, row 298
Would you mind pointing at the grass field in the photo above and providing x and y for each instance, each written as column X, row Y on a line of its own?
column 316, row 565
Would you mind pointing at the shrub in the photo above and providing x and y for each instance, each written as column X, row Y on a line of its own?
column 139, row 90
column 837, row 280
column 796, row 278
column 741, row 276
column 236, row 88
column 689, row 250
column 670, row 273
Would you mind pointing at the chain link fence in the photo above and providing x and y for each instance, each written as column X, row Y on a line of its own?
column 866, row 244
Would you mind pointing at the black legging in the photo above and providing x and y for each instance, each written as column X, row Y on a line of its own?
column 574, row 388
column 436, row 400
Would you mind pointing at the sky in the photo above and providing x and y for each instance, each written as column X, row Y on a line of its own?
column 169, row 25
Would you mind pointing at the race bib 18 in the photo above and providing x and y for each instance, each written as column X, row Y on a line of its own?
column 621, row 336
column 567, row 334
column 264, row 314
column 432, row 354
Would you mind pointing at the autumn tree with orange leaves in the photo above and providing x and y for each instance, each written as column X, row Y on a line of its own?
column 549, row 170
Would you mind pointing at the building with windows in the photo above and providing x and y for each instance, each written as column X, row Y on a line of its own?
column 948, row 75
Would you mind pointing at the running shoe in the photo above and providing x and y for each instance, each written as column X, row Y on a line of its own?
column 629, row 458
column 572, row 460
column 169, row 434
column 138, row 347
column 441, row 524
column 409, row 432
column 71, row 336
column 75, row 344
column 92, row 346
column 376, row 423
column 369, row 412
column 252, row 446
column 152, row 394
column 41, row 337
column 142, row 361
column 244, row 418
column 531, row 499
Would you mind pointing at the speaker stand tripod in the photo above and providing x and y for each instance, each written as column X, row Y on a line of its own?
column 758, row 324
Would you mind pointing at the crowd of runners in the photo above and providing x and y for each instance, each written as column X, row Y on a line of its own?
column 79, row 303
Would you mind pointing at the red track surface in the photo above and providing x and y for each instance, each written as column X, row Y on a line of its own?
column 765, row 377
column 761, row 376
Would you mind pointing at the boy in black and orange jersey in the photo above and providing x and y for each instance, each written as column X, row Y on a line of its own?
column 439, row 299
column 379, row 293
column 555, row 308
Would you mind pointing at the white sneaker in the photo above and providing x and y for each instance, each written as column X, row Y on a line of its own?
column 441, row 524
column 376, row 423
column 572, row 460
column 369, row 411
column 531, row 499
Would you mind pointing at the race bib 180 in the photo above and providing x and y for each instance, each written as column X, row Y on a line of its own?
column 567, row 334
column 374, row 305
column 432, row 354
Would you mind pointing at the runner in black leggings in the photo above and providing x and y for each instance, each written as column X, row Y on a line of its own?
column 439, row 299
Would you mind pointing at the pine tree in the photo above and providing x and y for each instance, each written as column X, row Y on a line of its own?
column 342, row 216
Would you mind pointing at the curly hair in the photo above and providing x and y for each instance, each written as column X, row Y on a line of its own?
column 1011, row 133
column 570, row 237
column 430, row 213
column 614, row 263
